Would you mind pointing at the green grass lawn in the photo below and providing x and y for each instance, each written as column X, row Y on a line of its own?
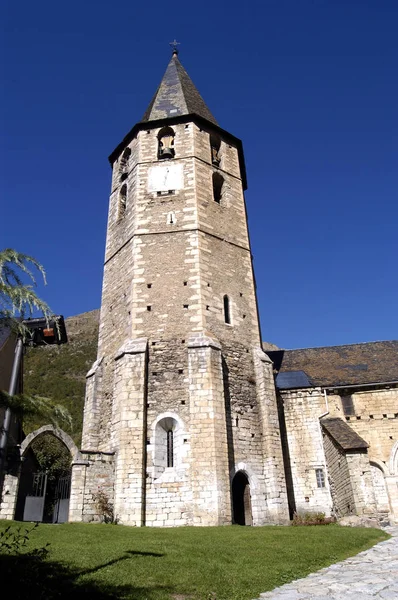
column 217, row 563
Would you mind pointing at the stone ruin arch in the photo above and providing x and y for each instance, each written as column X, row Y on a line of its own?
column 12, row 480
column 57, row 433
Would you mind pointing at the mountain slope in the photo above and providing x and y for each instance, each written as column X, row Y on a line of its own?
column 59, row 372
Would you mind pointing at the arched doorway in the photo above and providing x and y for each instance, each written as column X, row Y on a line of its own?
column 241, row 500
column 44, row 483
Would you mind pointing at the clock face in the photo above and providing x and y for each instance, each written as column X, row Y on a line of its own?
column 165, row 177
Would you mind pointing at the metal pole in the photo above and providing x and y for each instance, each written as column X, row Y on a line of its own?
column 16, row 367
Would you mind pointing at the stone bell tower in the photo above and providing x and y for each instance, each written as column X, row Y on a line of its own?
column 180, row 419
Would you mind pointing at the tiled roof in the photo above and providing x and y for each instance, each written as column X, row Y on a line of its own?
column 354, row 364
column 342, row 433
column 292, row 380
column 176, row 95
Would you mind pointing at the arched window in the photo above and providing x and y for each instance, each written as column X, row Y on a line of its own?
column 218, row 182
column 227, row 311
column 168, row 445
column 166, row 143
column 215, row 144
column 122, row 201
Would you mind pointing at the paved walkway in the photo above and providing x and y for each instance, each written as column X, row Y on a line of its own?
column 368, row 575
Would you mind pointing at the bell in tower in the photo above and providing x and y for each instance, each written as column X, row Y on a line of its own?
column 166, row 143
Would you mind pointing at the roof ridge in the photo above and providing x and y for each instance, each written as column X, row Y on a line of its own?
column 340, row 345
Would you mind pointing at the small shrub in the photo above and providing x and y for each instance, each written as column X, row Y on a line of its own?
column 14, row 541
column 311, row 518
column 105, row 507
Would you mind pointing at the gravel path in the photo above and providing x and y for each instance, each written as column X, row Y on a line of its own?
column 370, row 574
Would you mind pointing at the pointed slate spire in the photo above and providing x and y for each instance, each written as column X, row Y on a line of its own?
column 177, row 95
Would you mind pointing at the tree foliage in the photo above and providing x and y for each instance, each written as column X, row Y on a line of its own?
column 51, row 455
column 26, row 406
column 18, row 300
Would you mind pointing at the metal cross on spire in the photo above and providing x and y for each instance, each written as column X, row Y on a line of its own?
column 174, row 45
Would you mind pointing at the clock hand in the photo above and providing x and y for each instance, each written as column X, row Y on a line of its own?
column 165, row 176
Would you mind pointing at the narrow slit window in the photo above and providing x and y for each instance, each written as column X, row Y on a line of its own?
column 122, row 201
column 170, row 449
column 227, row 311
column 218, row 182
column 171, row 218
column 320, row 478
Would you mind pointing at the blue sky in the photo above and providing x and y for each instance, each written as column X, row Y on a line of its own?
column 309, row 86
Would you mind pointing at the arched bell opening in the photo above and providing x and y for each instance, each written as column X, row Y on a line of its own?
column 215, row 144
column 166, row 143
column 241, row 500
column 124, row 161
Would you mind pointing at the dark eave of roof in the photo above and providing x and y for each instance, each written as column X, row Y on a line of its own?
column 343, row 435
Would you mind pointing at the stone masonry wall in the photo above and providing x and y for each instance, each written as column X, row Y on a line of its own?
column 9, row 495
column 129, row 431
column 168, row 496
column 210, row 483
column 302, row 410
column 373, row 414
column 369, row 413
column 276, row 504
column 93, row 473
column 115, row 326
column 362, row 482
column 339, row 478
